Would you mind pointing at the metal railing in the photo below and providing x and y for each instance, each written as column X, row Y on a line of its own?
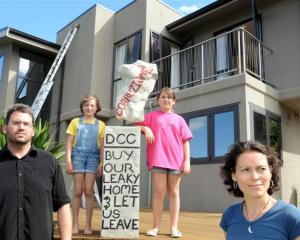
column 225, row 55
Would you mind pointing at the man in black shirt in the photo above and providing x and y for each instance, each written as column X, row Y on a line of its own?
column 31, row 184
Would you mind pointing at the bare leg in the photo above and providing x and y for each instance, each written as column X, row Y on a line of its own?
column 89, row 182
column 174, row 200
column 78, row 180
column 159, row 182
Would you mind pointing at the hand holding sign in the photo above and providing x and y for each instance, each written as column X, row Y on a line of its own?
column 142, row 78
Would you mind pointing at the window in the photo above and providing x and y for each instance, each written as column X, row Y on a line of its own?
column 33, row 69
column 1, row 66
column 199, row 143
column 169, row 68
column 266, row 128
column 126, row 51
column 226, row 48
column 214, row 130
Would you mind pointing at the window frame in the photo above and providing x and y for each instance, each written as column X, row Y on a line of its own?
column 210, row 113
column 221, row 73
column 161, row 41
column 46, row 63
column 126, row 40
column 269, row 116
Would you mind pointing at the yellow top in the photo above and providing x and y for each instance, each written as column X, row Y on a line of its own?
column 73, row 126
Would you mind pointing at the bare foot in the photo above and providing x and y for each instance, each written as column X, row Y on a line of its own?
column 88, row 232
column 75, row 230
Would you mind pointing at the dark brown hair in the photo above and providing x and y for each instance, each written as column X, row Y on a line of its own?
column 230, row 160
column 19, row 107
column 88, row 98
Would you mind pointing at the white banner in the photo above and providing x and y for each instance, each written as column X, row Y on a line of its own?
column 121, row 182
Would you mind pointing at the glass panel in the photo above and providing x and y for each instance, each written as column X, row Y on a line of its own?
column 23, row 67
column 120, row 57
column 274, row 130
column 222, row 56
column 260, row 133
column 175, row 70
column 155, row 47
column 134, row 48
column 127, row 51
column 118, row 86
column 199, row 144
column 21, row 88
column 224, row 126
column 1, row 66
column 30, row 76
column 31, row 73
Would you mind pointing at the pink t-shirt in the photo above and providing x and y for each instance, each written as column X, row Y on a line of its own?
column 170, row 131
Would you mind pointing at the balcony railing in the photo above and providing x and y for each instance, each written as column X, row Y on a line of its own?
column 231, row 53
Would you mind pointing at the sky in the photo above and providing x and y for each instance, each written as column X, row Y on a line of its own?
column 44, row 18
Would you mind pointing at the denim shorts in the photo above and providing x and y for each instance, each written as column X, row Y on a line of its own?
column 166, row 170
column 85, row 160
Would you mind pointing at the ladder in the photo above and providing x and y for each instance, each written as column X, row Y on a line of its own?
column 48, row 82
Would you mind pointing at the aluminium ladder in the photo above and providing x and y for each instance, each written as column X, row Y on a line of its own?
column 47, row 85
column 48, row 82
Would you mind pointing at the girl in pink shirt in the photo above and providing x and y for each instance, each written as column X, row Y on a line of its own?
column 168, row 157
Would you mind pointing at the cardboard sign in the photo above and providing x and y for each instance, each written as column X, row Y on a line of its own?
column 121, row 182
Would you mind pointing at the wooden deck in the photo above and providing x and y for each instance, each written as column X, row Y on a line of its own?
column 194, row 226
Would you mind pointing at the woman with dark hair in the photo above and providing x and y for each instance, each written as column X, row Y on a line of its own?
column 251, row 171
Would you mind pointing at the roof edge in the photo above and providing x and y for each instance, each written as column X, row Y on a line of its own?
column 31, row 37
column 197, row 13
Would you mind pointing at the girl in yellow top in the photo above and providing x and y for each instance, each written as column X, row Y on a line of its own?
column 83, row 153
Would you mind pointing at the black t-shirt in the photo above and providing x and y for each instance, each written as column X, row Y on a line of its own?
column 31, row 188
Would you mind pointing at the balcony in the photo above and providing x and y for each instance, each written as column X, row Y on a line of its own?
column 232, row 53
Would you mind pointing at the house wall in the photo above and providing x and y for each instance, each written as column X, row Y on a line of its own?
column 10, row 72
column 280, row 32
column 146, row 16
column 130, row 20
column 206, row 31
column 290, row 180
column 158, row 15
column 267, row 98
column 208, row 192
column 102, row 62
column 84, row 73
column 5, row 51
column 280, row 24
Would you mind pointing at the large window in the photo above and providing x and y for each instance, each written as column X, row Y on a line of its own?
column 1, row 66
column 266, row 128
column 214, row 130
column 126, row 51
column 33, row 69
column 226, row 48
column 169, row 68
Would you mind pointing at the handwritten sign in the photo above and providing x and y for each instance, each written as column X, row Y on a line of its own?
column 121, row 178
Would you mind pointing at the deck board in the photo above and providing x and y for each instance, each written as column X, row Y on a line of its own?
column 194, row 225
